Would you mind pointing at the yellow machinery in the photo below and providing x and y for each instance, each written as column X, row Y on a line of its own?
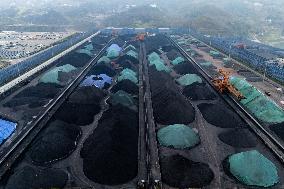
column 222, row 84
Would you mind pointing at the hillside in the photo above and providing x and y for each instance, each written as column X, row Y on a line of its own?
column 257, row 19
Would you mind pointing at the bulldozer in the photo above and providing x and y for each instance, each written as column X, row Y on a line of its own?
column 222, row 84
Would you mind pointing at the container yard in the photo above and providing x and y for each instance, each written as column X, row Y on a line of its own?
column 143, row 110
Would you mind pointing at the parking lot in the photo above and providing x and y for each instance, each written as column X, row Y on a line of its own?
column 16, row 46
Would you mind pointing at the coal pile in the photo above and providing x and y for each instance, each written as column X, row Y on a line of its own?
column 87, row 95
column 169, row 105
column 172, row 54
column 32, row 102
column 99, row 40
column 127, row 86
column 198, row 91
column 79, row 114
column 155, row 42
column 169, row 48
column 185, row 68
column 119, row 41
column 278, row 130
column 126, row 58
column 154, row 51
column 102, row 69
column 239, row 138
column 41, row 90
column 35, row 96
column 57, row 141
column 110, row 154
column 251, row 168
column 29, row 177
column 179, row 172
column 74, row 59
column 129, row 65
column 65, row 77
column 81, row 107
column 221, row 116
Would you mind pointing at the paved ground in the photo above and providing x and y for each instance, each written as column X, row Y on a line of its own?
column 27, row 43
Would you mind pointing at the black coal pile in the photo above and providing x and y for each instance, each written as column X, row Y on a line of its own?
column 127, row 86
column 119, row 41
column 75, row 59
column 278, row 130
column 35, row 96
column 57, row 141
column 221, row 115
column 81, row 107
column 155, row 42
column 110, row 154
column 173, row 54
column 129, row 65
column 185, row 68
column 32, row 102
column 122, row 59
column 99, row 40
column 102, row 69
column 79, row 114
column 169, row 105
column 29, row 177
column 169, row 48
column 239, row 138
column 198, row 92
column 87, row 95
column 41, row 90
column 179, row 172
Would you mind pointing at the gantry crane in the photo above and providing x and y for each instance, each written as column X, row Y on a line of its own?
column 222, row 84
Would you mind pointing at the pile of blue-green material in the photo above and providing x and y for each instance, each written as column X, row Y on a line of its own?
column 113, row 51
column 132, row 54
column 178, row 136
column 214, row 53
column 181, row 42
column 154, row 59
column 189, row 79
column 128, row 74
column 104, row 59
column 253, row 169
column 52, row 75
column 124, row 99
column 153, row 56
column 86, row 50
column 6, row 129
column 178, row 60
column 256, row 102
column 129, row 47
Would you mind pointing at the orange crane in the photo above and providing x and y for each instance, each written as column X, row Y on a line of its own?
column 141, row 37
column 222, row 84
